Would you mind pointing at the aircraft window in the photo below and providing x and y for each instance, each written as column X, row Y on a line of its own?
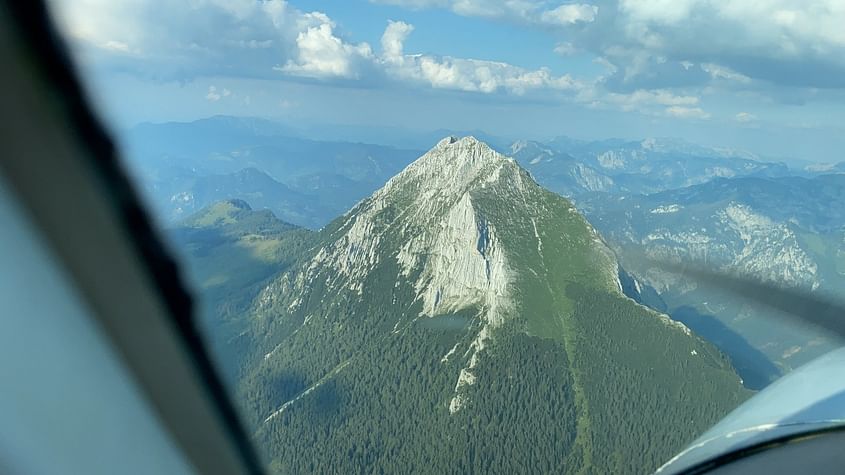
column 68, row 404
column 418, row 244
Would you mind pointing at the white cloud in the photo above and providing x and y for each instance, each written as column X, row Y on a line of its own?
column 721, row 72
column 569, row 14
column 394, row 36
column 657, row 11
column 610, row 67
column 248, row 38
column 790, row 42
column 460, row 73
column 646, row 98
column 639, row 43
column 118, row 46
column 183, row 40
column 530, row 12
column 252, row 44
column 687, row 112
column 215, row 94
column 656, row 102
column 565, row 49
column 321, row 54
column 416, row 4
column 745, row 117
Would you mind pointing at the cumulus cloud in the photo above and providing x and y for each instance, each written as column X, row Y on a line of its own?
column 565, row 49
column 665, row 12
column 418, row 4
column 652, row 43
column 118, row 46
column 215, row 95
column 461, row 73
column 212, row 95
column 659, row 102
column 530, row 12
column 569, row 14
column 745, row 117
column 273, row 39
column 721, row 72
column 321, row 54
column 659, row 56
column 687, row 112
column 787, row 42
column 642, row 97
column 184, row 40
column 393, row 39
column 478, row 76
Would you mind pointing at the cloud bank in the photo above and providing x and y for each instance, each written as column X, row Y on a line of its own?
column 660, row 57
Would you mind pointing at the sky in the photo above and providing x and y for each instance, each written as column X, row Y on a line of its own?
column 766, row 76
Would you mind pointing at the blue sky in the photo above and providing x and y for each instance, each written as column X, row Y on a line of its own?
column 767, row 76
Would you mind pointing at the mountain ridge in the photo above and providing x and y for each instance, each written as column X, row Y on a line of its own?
column 461, row 301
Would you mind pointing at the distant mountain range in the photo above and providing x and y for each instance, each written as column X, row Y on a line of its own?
column 786, row 230
column 824, row 168
column 184, row 167
column 459, row 302
column 573, row 168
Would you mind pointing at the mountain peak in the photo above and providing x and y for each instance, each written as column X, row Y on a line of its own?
column 446, row 141
column 453, row 164
column 468, row 140
column 463, row 146
column 458, row 269
column 238, row 204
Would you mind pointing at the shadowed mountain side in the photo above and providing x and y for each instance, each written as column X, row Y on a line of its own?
column 756, row 370
column 229, row 251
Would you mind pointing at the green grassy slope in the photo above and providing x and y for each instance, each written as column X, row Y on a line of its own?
column 229, row 252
